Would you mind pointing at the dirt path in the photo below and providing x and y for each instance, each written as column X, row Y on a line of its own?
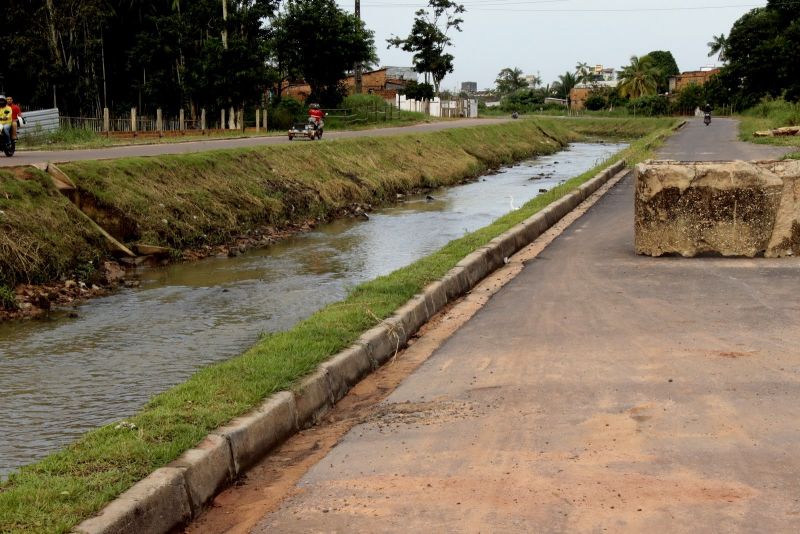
column 31, row 157
column 597, row 391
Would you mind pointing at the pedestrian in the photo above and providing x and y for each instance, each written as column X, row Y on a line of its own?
column 17, row 119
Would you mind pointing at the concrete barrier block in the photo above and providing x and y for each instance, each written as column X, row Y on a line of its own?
column 313, row 397
column 206, row 469
column 346, row 369
column 158, row 503
column 691, row 208
column 252, row 436
column 474, row 266
column 494, row 258
column 409, row 316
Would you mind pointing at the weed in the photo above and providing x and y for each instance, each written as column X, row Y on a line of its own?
column 8, row 301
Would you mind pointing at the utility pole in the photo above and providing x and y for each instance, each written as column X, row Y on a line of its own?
column 357, row 70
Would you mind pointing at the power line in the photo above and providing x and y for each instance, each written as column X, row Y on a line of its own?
column 490, row 6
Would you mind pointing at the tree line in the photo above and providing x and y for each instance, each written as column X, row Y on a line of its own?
column 82, row 56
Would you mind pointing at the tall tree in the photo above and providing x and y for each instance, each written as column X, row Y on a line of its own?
column 429, row 39
column 664, row 62
column 510, row 80
column 583, row 73
column 638, row 79
column 322, row 42
column 566, row 82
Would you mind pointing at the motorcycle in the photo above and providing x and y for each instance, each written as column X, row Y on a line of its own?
column 707, row 119
column 7, row 145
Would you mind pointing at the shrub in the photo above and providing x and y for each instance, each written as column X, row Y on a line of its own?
column 285, row 113
column 595, row 103
column 650, row 106
column 8, row 300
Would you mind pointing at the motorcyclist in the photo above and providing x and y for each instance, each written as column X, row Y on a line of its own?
column 6, row 117
column 707, row 108
column 315, row 115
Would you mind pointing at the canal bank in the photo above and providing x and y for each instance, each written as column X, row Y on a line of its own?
column 108, row 460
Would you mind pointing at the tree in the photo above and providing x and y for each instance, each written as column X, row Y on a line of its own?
column 510, row 80
column 583, row 73
column 718, row 45
column 665, row 64
column 321, row 43
column 566, row 82
column 429, row 39
column 761, row 51
column 638, row 79
column 418, row 91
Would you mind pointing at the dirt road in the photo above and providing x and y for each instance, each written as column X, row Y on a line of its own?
column 31, row 157
column 597, row 391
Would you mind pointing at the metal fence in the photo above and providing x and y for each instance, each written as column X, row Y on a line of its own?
column 40, row 121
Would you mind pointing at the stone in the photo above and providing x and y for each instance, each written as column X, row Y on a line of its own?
column 692, row 208
column 785, row 240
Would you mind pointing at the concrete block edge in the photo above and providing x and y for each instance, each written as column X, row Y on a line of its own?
column 318, row 392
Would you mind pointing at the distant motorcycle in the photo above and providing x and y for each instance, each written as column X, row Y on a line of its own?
column 707, row 119
column 7, row 145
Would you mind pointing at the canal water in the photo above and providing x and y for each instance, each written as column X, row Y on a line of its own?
column 65, row 375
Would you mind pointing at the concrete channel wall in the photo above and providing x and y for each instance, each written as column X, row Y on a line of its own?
column 735, row 208
column 173, row 495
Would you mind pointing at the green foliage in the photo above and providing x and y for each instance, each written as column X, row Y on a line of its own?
column 663, row 62
column 768, row 114
column 523, row 100
column 319, row 42
column 8, row 300
column 428, row 39
column 595, row 102
column 510, row 80
column 761, row 52
column 638, row 79
column 649, row 106
column 122, row 53
column 718, row 46
column 418, row 91
column 285, row 113
column 566, row 82
column 690, row 98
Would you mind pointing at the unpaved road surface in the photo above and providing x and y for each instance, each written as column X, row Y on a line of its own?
column 596, row 391
column 31, row 157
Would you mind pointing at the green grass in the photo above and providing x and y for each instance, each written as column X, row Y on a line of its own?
column 42, row 236
column 767, row 115
column 57, row 492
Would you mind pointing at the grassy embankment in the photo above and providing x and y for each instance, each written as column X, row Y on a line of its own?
column 54, row 494
column 768, row 115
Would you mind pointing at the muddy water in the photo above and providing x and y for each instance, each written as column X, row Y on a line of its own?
column 63, row 376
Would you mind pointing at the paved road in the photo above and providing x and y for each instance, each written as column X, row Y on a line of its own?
column 597, row 391
column 717, row 141
column 30, row 157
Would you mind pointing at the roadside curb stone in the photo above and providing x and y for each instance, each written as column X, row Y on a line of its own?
column 173, row 495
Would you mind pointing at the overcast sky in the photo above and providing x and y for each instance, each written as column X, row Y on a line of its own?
column 550, row 36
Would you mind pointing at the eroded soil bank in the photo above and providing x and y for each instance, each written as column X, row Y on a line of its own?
column 222, row 202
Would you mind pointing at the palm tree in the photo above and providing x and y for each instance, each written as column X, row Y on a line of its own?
column 510, row 80
column 719, row 45
column 583, row 73
column 638, row 79
column 564, row 84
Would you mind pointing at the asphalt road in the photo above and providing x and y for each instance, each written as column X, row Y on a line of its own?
column 31, row 157
column 597, row 391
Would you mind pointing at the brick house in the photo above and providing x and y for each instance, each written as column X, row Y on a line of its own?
column 685, row 79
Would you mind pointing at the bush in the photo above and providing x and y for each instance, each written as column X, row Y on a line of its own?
column 595, row 103
column 522, row 100
column 285, row 113
column 650, row 106
column 8, row 300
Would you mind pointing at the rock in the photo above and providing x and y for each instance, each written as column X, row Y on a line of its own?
column 111, row 273
column 786, row 130
column 543, row 190
column 70, row 284
column 692, row 208
column 42, row 301
column 785, row 239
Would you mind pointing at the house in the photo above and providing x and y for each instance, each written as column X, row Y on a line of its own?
column 599, row 76
column 385, row 82
column 469, row 87
column 685, row 79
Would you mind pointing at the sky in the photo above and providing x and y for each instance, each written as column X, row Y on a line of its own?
column 548, row 37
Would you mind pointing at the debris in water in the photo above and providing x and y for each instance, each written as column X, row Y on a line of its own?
column 429, row 198
column 543, row 190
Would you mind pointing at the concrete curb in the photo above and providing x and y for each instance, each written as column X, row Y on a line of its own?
column 173, row 495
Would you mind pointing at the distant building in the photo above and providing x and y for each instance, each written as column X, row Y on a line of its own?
column 469, row 87
column 532, row 79
column 685, row 79
column 384, row 82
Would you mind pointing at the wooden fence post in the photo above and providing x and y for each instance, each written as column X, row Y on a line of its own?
column 258, row 119
column 133, row 121
column 106, row 121
column 203, row 120
column 182, row 121
column 160, row 122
